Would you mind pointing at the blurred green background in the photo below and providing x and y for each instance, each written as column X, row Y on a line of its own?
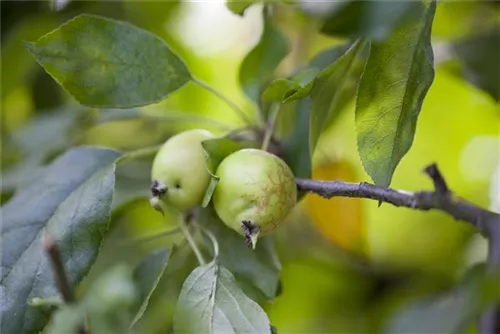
column 348, row 265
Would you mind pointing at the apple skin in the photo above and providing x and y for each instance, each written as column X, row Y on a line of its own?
column 256, row 191
column 180, row 176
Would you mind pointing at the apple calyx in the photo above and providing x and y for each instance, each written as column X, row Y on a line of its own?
column 252, row 232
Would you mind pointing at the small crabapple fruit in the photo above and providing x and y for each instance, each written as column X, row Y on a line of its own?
column 256, row 191
column 179, row 173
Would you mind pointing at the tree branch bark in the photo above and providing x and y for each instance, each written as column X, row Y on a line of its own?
column 441, row 199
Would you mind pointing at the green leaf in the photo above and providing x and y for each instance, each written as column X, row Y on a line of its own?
column 147, row 275
column 216, row 150
column 259, row 268
column 110, row 64
column 480, row 55
column 259, row 65
column 397, row 76
column 296, row 149
column 327, row 92
column 17, row 65
column 71, row 201
column 449, row 312
column 300, row 86
column 373, row 19
column 44, row 136
column 330, row 55
column 107, row 304
column 212, row 302
column 214, row 180
column 239, row 6
column 279, row 90
column 158, row 316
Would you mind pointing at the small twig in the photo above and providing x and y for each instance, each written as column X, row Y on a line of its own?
column 149, row 238
column 438, row 179
column 224, row 98
column 60, row 276
column 440, row 199
column 270, row 127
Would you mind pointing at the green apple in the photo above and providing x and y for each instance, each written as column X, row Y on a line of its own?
column 180, row 176
column 256, row 191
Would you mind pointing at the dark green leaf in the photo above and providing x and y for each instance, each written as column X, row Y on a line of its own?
column 17, row 65
column 171, row 118
column 300, row 86
column 45, row 135
column 259, row 268
column 448, row 312
column 374, row 19
column 329, row 56
column 107, row 304
column 71, row 201
column 147, row 275
column 110, row 64
column 396, row 79
column 216, row 150
column 481, row 55
column 296, row 149
column 158, row 317
column 212, row 302
column 279, row 90
column 327, row 92
column 259, row 65
column 443, row 314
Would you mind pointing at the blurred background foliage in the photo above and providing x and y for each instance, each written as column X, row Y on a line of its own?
column 348, row 265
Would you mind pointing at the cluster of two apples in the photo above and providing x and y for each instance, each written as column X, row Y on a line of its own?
column 255, row 192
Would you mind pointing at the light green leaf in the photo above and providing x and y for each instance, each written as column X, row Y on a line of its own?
column 239, row 6
column 259, row 269
column 259, row 65
column 326, row 95
column 279, row 90
column 110, row 64
column 212, row 302
column 147, row 275
column 214, row 180
column 72, row 202
column 216, row 150
column 396, row 79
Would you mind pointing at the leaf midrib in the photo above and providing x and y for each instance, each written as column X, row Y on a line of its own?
column 405, row 95
column 99, row 61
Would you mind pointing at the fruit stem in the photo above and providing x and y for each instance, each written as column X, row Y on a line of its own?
column 192, row 243
column 160, row 206
column 273, row 117
column 224, row 98
column 149, row 238
column 140, row 153
column 213, row 239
